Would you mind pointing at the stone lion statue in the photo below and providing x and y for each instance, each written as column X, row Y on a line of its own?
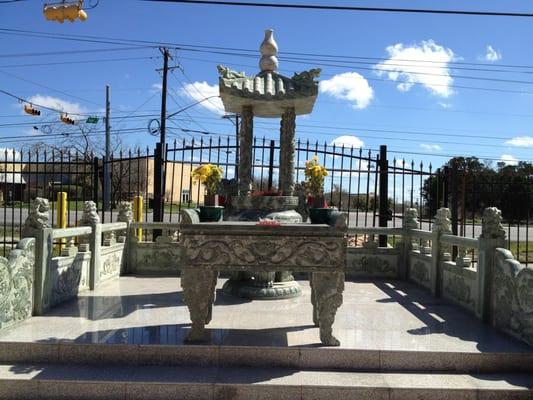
column 37, row 218
column 491, row 225
column 442, row 220
column 125, row 212
column 90, row 214
column 410, row 218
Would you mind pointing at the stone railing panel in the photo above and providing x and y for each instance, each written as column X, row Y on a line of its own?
column 69, row 276
column 16, row 283
column 420, row 269
column 460, row 286
column 512, row 296
column 372, row 263
column 112, row 258
column 154, row 258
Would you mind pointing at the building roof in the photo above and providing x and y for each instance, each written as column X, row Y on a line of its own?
column 269, row 92
column 13, row 178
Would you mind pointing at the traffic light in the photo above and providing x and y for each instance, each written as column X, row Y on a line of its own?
column 65, row 10
column 67, row 120
column 29, row 109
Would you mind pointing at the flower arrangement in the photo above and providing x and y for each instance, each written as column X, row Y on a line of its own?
column 210, row 175
column 314, row 177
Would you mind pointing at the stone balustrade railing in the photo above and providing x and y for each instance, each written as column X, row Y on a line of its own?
column 157, row 257
column 496, row 288
column 88, row 256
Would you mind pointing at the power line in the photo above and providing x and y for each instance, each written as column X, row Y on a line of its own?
column 76, row 62
column 252, row 52
column 78, row 37
column 67, row 52
column 46, row 87
column 352, row 8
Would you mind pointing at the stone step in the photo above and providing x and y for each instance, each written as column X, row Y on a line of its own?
column 303, row 358
column 52, row 381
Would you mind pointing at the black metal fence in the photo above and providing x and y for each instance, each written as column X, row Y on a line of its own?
column 372, row 188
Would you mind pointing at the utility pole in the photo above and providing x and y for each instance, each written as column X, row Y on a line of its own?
column 107, row 171
column 237, row 145
column 160, row 150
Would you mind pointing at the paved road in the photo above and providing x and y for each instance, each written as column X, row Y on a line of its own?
column 355, row 219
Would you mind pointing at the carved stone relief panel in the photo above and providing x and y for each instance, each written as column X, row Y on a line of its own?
column 513, row 296
column 271, row 251
column 16, row 283
column 458, row 288
column 419, row 272
column 372, row 265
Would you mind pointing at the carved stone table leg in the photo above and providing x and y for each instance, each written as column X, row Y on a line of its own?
column 327, row 288
column 313, row 301
column 199, row 295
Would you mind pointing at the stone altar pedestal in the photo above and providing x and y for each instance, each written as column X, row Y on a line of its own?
column 207, row 248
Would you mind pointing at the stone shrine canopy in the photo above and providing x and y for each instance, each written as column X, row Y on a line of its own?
column 269, row 93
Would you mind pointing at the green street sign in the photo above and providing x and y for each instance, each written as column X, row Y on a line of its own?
column 92, row 120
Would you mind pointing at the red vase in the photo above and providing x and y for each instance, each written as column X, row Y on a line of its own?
column 212, row 200
column 317, row 202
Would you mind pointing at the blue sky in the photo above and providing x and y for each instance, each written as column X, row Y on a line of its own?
column 412, row 107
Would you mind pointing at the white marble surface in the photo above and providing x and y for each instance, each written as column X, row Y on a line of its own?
column 380, row 315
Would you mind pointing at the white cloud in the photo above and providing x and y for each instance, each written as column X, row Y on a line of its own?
column 349, row 86
column 7, row 154
column 508, row 159
column 156, row 87
column 431, row 147
column 348, row 141
column 521, row 141
column 57, row 103
column 445, row 105
column 425, row 63
column 401, row 163
column 492, row 54
column 199, row 91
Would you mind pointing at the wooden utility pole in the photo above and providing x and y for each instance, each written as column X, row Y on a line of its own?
column 107, row 171
column 160, row 151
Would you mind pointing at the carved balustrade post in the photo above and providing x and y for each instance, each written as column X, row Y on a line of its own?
column 90, row 218
column 462, row 260
column 37, row 225
column 42, row 285
column 439, row 251
column 410, row 221
column 492, row 236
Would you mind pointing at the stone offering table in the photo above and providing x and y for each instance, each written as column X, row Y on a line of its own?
column 207, row 248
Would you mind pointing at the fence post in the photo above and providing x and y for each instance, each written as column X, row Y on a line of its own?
column 42, row 285
column 62, row 214
column 446, row 189
column 492, row 236
column 455, row 204
column 96, row 178
column 383, row 193
column 271, row 165
column 138, row 215
column 159, row 174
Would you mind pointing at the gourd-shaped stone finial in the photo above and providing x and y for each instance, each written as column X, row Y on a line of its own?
column 269, row 50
